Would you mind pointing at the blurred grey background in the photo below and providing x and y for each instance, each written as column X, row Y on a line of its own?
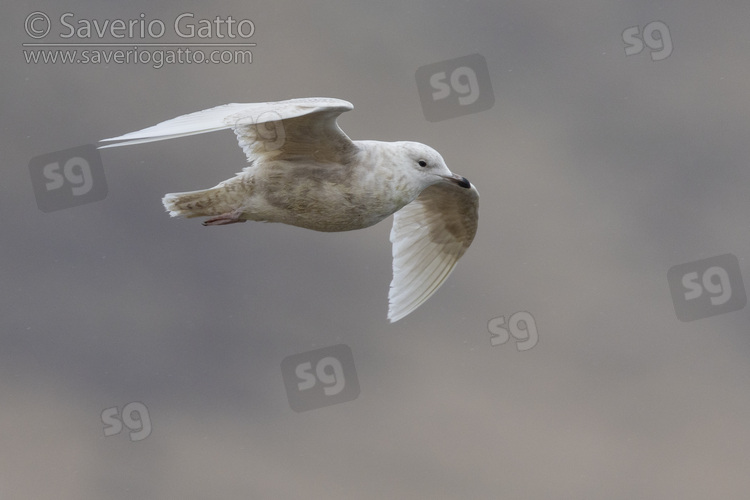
column 598, row 172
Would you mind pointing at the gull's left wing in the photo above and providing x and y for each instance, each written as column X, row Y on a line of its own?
column 429, row 235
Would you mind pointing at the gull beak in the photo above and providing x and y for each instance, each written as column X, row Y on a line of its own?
column 457, row 179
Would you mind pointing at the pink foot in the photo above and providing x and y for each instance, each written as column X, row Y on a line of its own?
column 223, row 219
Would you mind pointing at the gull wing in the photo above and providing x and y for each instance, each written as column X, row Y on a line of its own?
column 285, row 129
column 429, row 235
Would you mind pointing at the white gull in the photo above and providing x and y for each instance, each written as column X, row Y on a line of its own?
column 304, row 171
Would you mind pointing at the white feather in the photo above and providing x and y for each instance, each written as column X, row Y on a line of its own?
column 429, row 235
column 230, row 116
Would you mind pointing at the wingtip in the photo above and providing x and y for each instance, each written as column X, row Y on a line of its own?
column 397, row 315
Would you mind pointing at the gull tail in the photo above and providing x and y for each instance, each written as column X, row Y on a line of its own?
column 207, row 202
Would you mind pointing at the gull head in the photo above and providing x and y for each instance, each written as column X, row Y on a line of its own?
column 427, row 167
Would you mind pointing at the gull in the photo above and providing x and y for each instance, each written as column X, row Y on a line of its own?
column 304, row 171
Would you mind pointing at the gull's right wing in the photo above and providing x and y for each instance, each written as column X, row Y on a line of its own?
column 285, row 129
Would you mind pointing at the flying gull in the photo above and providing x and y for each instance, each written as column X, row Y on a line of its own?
column 304, row 171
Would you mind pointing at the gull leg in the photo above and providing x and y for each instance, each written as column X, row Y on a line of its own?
column 223, row 219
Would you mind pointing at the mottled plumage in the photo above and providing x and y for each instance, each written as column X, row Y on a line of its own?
column 304, row 171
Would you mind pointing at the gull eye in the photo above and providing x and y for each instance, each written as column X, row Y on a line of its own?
column 422, row 163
